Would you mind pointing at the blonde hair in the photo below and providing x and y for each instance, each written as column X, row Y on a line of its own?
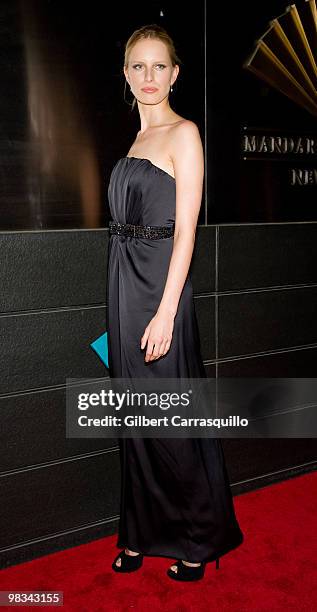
column 156, row 32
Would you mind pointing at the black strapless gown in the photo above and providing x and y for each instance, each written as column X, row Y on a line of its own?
column 176, row 499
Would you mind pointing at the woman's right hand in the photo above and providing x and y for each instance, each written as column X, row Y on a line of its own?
column 158, row 335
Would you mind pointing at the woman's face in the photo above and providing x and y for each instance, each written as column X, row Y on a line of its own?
column 150, row 73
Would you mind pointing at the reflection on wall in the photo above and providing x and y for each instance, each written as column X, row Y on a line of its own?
column 62, row 167
column 63, row 119
column 64, row 122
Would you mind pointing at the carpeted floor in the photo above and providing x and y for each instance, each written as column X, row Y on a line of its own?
column 275, row 568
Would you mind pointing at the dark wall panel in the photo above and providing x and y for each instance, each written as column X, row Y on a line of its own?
column 292, row 363
column 262, row 321
column 68, row 494
column 259, row 462
column 54, row 305
column 205, row 311
column 33, row 432
column 267, row 255
column 41, row 349
column 32, row 279
column 203, row 265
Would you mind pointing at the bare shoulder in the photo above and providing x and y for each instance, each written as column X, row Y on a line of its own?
column 186, row 146
column 185, row 129
column 185, row 136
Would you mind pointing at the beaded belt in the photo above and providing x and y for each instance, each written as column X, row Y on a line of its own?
column 141, row 231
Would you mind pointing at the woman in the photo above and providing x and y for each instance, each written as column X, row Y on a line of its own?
column 175, row 496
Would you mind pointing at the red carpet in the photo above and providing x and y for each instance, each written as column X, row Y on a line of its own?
column 274, row 569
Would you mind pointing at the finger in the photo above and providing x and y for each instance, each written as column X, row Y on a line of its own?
column 144, row 338
column 167, row 346
column 156, row 350
column 160, row 349
column 149, row 350
column 163, row 349
column 154, row 354
column 143, row 341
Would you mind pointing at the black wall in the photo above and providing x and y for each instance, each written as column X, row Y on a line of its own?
column 255, row 294
column 65, row 117
column 63, row 125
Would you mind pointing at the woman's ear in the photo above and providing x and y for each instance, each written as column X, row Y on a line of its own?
column 126, row 73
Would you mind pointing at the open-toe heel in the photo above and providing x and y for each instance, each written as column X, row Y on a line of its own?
column 186, row 572
column 129, row 563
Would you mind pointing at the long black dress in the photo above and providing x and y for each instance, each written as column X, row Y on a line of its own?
column 176, row 499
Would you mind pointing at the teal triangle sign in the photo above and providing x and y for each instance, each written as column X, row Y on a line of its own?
column 100, row 346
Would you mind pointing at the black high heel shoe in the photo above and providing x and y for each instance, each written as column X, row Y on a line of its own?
column 129, row 563
column 188, row 573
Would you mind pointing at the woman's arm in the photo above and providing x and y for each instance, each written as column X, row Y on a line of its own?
column 188, row 160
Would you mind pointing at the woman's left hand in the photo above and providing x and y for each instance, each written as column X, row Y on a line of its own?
column 158, row 335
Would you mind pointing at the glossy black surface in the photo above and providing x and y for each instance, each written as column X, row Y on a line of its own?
column 64, row 122
column 63, row 118
column 242, row 187
column 266, row 255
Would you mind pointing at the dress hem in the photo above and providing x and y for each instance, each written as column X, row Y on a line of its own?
column 208, row 559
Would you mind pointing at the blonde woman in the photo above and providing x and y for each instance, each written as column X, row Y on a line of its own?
column 175, row 497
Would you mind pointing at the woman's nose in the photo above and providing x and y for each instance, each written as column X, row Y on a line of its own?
column 148, row 76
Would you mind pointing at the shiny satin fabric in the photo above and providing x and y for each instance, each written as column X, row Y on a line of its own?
column 176, row 499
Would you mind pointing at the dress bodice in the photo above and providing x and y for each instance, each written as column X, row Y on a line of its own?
column 141, row 193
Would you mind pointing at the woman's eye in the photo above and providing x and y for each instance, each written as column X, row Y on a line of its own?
column 137, row 65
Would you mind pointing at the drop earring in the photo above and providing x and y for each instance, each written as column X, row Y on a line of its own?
column 171, row 88
column 124, row 93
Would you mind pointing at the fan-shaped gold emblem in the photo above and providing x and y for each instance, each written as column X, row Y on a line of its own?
column 285, row 56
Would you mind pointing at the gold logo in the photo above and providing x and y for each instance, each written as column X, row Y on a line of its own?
column 285, row 56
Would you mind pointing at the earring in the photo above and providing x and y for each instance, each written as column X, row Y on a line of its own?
column 171, row 88
column 124, row 93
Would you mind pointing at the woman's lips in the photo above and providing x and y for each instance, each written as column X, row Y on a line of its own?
column 149, row 89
